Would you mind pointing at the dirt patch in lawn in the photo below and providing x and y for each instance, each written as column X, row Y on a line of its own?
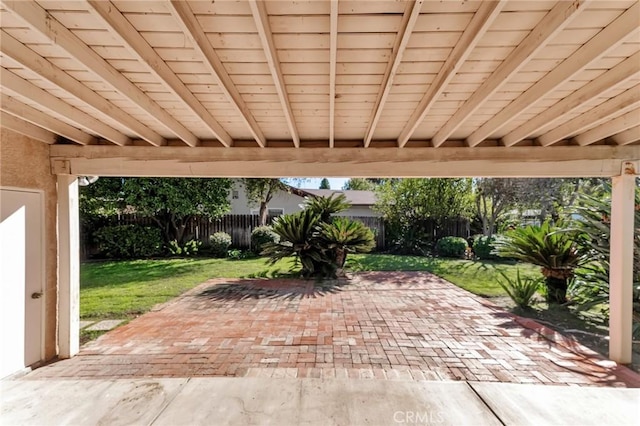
column 586, row 328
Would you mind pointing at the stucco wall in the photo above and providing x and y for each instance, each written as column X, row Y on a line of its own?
column 290, row 203
column 24, row 163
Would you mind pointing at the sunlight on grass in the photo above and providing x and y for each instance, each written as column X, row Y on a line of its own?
column 124, row 289
column 479, row 277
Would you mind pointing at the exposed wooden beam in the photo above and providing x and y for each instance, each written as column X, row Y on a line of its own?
column 21, row 87
column 333, row 65
column 622, row 103
column 609, row 128
column 192, row 29
column 605, row 41
column 628, row 136
column 139, row 47
column 566, row 161
column 39, row 118
column 554, row 22
column 622, row 72
column 24, row 127
column 43, row 22
column 480, row 23
column 409, row 19
column 261, row 18
column 45, row 69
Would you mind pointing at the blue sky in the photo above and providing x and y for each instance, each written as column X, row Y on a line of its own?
column 335, row 183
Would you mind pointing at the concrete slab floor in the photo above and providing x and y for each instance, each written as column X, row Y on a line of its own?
column 246, row 401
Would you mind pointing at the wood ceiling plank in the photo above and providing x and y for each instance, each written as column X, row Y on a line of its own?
column 42, row 22
column 262, row 22
column 19, row 86
column 621, row 73
column 28, row 129
column 480, row 23
column 559, row 17
column 192, row 28
column 147, row 55
column 627, row 101
column 45, row 69
column 628, row 136
column 610, row 128
column 46, row 121
column 606, row 40
column 409, row 20
column 333, row 62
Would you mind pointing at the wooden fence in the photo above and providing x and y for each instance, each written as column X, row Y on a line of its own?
column 240, row 227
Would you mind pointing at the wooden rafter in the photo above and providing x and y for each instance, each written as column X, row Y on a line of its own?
column 409, row 19
column 611, row 127
column 192, row 29
column 261, row 18
column 621, row 73
column 39, row 118
column 605, row 41
column 554, row 22
column 24, row 88
column 479, row 24
column 597, row 160
column 628, row 136
column 28, row 129
column 627, row 101
column 48, row 71
column 138, row 46
column 43, row 22
column 333, row 65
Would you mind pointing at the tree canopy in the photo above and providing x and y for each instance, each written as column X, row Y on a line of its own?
column 324, row 184
column 260, row 191
column 169, row 202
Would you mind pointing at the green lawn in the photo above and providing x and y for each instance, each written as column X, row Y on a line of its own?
column 125, row 289
column 479, row 277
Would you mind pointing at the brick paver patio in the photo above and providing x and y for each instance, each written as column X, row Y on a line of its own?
column 385, row 325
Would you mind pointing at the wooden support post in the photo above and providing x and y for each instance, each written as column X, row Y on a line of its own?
column 621, row 265
column 68, row 267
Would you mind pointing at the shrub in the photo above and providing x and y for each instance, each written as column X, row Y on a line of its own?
column 261, row 236
column 483, row 248
column 128, row 241
column 190, row 248
column 520, row 290
column 237, row 254
column 451, row 247
column 219, row 244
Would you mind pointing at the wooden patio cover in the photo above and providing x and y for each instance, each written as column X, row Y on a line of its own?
column 197, row 88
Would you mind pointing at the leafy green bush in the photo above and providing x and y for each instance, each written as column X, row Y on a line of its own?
column 451, row 247
column 128, row 241
column 261, row 236
column 237, row 254
column 483, row 248
column 520, row 290
column 190, row 248
column 219, row 244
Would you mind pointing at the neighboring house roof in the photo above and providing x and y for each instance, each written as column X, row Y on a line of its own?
column 356, row 198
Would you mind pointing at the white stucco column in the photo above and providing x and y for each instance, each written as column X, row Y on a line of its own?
column 621, row 266
column 68, row 267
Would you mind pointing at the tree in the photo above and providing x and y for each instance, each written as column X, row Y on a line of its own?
column 169, row 202
column 408, row 204
column 492, row 199
column 260, row 191
column 359, row 184
column 324, row 184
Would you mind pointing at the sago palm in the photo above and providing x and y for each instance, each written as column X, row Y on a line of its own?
column 326, row 206
column 553, row 248
column 346, row 236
